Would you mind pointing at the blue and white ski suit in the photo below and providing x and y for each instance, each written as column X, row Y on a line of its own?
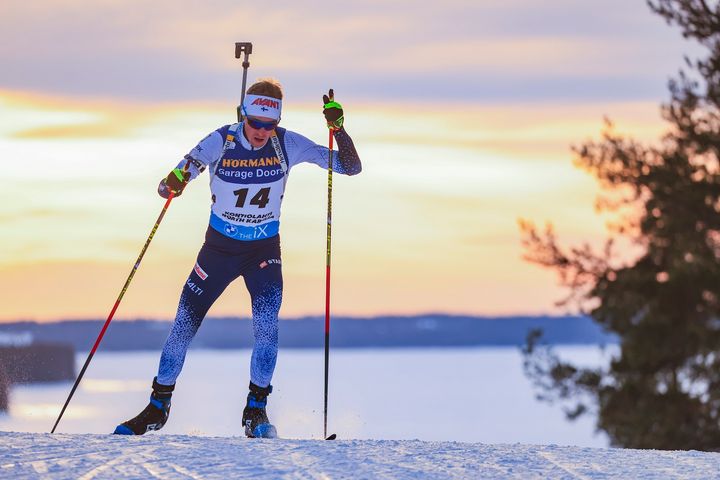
column 247, row 186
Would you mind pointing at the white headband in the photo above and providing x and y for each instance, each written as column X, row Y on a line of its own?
column 262, row 106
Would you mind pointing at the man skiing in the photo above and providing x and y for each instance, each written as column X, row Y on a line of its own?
column 248, row 165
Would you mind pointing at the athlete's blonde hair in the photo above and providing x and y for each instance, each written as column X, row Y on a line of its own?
column 268, row 87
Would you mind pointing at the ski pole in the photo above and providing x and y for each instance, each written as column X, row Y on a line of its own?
column 327, row 286
column 246, row 48
column 112, row 312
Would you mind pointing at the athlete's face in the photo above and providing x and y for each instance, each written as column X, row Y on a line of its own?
column 258, row 136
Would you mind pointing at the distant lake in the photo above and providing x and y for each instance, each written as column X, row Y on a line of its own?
column 462, row 394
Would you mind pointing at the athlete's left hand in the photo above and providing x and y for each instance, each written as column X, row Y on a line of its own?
column 333, row 111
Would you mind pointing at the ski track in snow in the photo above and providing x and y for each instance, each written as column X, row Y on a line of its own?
column 165, row 457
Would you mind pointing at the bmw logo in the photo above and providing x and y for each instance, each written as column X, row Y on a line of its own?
column 230, row 229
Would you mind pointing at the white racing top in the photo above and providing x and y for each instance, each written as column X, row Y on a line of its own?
column 248, row 184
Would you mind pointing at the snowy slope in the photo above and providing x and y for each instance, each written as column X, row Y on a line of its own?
column 85, row 457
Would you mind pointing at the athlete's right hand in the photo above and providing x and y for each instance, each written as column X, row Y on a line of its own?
column 174, row 183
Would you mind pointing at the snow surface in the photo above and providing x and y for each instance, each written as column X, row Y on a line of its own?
column 156, row 455
column 489, row 399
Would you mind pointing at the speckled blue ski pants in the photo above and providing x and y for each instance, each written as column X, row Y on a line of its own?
column 220, row 261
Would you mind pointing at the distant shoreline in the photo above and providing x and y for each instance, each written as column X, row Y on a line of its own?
column 432, row 330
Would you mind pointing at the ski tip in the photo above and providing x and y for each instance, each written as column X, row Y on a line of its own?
column 123, row 430
column 331, row 437
column 265, row 430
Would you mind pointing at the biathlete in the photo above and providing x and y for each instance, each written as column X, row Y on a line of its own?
column 248, row 164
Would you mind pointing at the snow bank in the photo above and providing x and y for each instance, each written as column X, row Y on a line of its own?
column 64, row 456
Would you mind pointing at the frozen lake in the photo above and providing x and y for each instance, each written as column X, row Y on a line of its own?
column 462, row 394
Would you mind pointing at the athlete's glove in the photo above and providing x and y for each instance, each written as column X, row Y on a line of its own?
column 333, row 111
column 175, row 182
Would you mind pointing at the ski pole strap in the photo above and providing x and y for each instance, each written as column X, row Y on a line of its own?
column 179, row 174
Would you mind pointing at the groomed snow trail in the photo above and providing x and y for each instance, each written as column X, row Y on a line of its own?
column 158, row 456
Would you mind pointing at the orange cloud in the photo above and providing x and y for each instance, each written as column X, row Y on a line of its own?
column 430, row 225
column 99, row 130
column 32, row 116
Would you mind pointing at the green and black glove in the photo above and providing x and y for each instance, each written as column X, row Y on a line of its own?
column 175, row 182
column 333, row 111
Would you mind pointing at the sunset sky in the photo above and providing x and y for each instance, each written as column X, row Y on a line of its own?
column 463, row 113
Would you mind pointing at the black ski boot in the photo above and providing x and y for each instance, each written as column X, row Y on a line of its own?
column 255, row 417
column 155, row 414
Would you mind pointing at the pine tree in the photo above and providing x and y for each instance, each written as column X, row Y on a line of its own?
column 662, row 390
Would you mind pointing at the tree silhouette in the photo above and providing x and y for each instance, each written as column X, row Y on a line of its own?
column 662, row 390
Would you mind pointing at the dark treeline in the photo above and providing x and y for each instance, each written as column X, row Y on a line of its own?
column 417, row 331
